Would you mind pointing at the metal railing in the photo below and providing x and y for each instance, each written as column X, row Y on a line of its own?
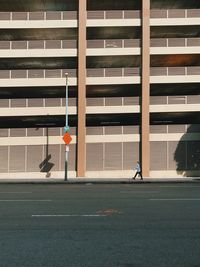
column 34, row 16
column 100, row 14
column 98, row 72
column 95, row 44
column 114, row 14
column 175, row 13
column 39, row 44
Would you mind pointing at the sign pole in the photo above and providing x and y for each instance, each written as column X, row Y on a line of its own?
column 66, row 125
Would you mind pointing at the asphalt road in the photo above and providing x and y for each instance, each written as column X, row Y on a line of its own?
column 100, row 225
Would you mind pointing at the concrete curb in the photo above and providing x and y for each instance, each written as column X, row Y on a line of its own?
column 78, row 181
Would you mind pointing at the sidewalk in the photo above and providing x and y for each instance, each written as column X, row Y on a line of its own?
column 100, row 180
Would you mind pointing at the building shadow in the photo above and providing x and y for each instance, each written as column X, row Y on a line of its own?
column 46, row 165
column 187, row 153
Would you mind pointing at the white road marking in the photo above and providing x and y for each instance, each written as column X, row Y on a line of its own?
column 175, row 199
column 15, row 192
column 68, row 215
column 180, row 186
column 25, row 200
column 133, row 192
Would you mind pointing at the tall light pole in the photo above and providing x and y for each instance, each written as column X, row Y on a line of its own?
column 66, row 129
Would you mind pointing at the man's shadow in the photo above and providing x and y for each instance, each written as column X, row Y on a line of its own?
column 45, row 165
column 187, row 153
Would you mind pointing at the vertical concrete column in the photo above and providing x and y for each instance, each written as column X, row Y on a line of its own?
column 145, row 145
column 81, row 145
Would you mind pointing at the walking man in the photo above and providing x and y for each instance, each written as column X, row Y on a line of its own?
column 138, row 171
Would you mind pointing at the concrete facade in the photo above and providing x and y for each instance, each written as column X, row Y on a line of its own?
column 134, row 88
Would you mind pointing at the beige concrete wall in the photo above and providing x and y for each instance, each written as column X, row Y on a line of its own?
column 81, row 146
column 31, row 153
column 145, row 117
